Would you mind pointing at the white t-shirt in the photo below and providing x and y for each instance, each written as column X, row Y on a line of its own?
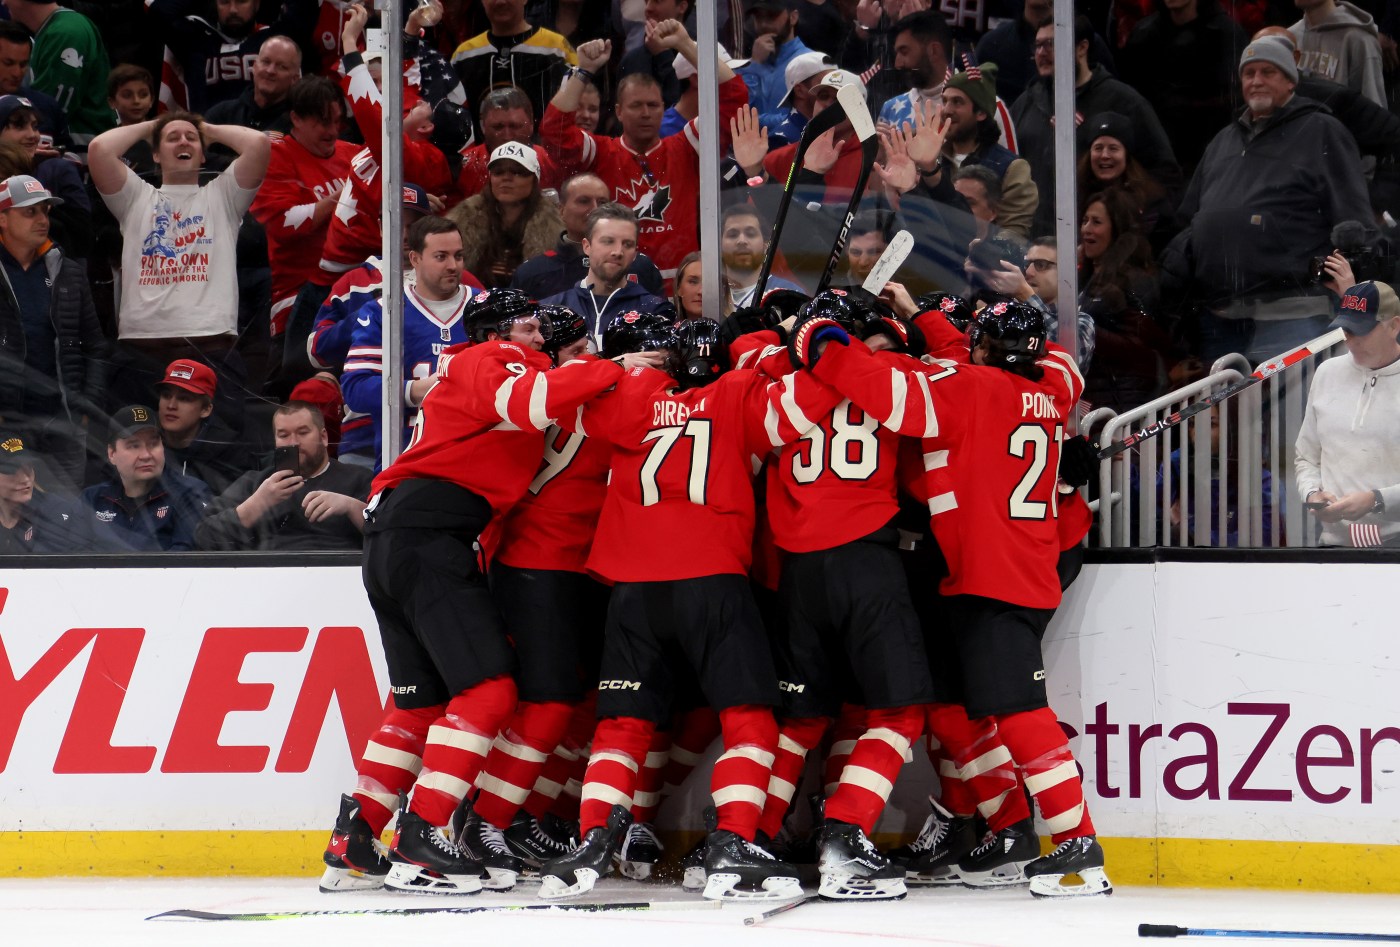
column 179, row 273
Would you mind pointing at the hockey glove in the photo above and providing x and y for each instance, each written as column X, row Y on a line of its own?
column 803, row 343
column 1078, row 461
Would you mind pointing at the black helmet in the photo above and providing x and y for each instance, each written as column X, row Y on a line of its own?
column 701, row 353
column 1015, row 331
column 905, row 336
column 838, row 305
column 954, row 308
column 495, row 309
column 565, row 327
column 779, row 304
column 634, row 331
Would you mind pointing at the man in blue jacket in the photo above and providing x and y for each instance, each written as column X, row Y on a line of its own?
column 610, row 244
column 144, row 508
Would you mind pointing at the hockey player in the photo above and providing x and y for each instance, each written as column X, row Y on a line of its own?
column 435, row 304
column 475, row 449
column 683, row 448
column 993, row 496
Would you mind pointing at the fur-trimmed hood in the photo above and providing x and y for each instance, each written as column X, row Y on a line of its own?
column 541, row 230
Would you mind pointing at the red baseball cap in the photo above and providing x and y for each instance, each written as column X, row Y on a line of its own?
column 192, row 376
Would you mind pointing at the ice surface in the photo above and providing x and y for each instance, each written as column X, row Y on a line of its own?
column 111, row 912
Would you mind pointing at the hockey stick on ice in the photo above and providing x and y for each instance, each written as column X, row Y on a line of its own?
column 1168, row 930
column 773, row 912
column 189, row 915
column 821, row 123
column 889, row 263
column 864, row 127
column 1267, row 370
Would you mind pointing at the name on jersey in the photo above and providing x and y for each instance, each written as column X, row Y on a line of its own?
column 672, row 413
column 1036, row 404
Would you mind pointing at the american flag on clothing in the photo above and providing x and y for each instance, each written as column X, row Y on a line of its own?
column 1365, row 534
column 974, row 72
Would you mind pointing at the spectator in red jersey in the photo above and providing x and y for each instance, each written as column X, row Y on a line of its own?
column 508, row 222
column 657, row 177
column 590, row 109
column 305, row 175
column 506, row 115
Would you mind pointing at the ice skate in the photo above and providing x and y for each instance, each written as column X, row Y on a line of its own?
column 693, row 867
column 486, row 844
column 852, row 869
column 1001, row 856
column 575, row 873
column 932, row 858
column 641, row 850
column 738, row 870
column 536, row 841
column 355, row 859
column 1081, row 856
column 426, row 860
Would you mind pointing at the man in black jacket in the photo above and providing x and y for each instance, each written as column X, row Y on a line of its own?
column 320, row 505
column 32, row 521
column 53, row 373
column 197, row 443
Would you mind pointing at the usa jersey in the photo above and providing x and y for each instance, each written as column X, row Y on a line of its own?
column 425, row 337
column 354, row 232
column 662, row 186
column 296, row 181
column 991, row 443
column 482, row 423
column 680, row 504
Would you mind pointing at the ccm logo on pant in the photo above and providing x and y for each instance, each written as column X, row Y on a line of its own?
column 619, row 685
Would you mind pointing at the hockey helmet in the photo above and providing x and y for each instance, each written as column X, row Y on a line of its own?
column 954, row 308
column 1014, row 331
column 495, row 310
column 701, row 353
column 634, row 331
column 565, row 327
column 780, row 304
column 837, row 305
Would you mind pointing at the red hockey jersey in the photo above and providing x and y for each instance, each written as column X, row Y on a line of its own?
column 681, row 501
column 482, row 422
column 662, row 186
column 296, row 180
column 354, row 233
column 991, row 442
column 473, row 176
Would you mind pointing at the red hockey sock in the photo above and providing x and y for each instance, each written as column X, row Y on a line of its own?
column 954, row 794
column 566, row 763
column 868, row 778
column 847, row 730
column 739, row 783
column 983, row 763
column 647, row 797
column 797, row 736
column 619, row 748
column 691, row 735
column 1039, row 747
column 518, row 756
column 457, row 745
column 391, row 761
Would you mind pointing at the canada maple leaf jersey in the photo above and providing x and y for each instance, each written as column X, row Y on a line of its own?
column 426, row 335
column 680, row 503
column 296, row 181
column 662, row 186
column 991, row 442
column 482, row 422
column 354, row 232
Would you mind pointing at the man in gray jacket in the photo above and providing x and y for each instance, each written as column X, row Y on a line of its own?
column 53, row 373
column 1339, row 41
column 1270, row 188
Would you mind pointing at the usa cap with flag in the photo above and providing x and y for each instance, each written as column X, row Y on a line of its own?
column 522, row 155
column 21, row 190
column 195, row 377
column 1364, row 306
column 415, row 198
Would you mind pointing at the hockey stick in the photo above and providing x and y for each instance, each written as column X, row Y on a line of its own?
column 821, row 123
column 889, row 263
column 773, row 912
column 1168, row 930
column 864, row 126
column 1267, row 370
column 185, row 914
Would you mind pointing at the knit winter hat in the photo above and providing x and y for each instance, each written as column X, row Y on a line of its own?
column 978, row 83
column 1108, row 125
column 1272, row 50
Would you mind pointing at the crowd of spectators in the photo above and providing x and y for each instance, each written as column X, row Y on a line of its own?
column 190, row 208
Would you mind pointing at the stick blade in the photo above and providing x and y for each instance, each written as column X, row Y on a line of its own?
column 889, row 263
column 186, row 914
column 852, row 100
